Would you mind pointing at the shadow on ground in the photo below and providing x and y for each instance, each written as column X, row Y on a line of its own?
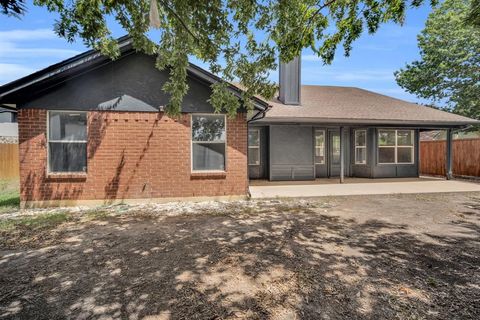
column 402, row 257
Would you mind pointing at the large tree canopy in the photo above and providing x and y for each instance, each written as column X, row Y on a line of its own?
column 12, row 7
column 238, row 39
column 448, row 71
column 474, row 14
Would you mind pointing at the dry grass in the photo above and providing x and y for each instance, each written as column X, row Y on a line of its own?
column 375, row 257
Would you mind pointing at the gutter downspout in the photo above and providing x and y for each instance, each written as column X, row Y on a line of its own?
column 259, row 115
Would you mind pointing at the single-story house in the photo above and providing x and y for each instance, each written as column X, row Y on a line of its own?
column 93, row 130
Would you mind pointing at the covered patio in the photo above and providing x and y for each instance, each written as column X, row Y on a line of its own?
column 340, row 132
column 357, row 186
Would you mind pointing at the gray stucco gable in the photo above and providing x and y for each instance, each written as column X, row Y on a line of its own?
column 92, row 81
column 131, row 83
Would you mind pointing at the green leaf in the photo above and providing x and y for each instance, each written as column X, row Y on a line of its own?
column 448, row 71
column 240, row 40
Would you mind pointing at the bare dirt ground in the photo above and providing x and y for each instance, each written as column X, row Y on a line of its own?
column 368, row 257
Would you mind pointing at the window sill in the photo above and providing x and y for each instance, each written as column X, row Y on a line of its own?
column 208, row 175
column 67, row 176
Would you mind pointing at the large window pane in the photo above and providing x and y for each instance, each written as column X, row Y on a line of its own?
column 386, row 138
column 67, row 136
column 208, row 156
column 208, row 142
column 405, row 137
column 360, row 138
column 68, row 157
column 402, row 150
column 386, row 155
column 405, row 154
column 208, row 128
column 67, row 126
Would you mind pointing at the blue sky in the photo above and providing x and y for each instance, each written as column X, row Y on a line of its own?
column 29, row 44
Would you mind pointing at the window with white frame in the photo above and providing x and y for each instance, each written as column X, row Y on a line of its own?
column 67, row 142
column 360, row 146
column 208, row 142
column 395, row 146
column 254, row 147
column 319, row 146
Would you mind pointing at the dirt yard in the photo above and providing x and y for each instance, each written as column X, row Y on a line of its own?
column 368, row 257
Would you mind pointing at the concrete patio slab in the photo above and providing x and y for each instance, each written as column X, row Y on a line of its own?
column 320, row 190
column 263, row 182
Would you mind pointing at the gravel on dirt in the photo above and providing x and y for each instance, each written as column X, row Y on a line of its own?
column 364, row 257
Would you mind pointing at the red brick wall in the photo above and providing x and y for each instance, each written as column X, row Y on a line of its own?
column 131, row 155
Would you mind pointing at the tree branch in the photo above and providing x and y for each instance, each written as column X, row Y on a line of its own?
column 175, row 14
column 326, row 4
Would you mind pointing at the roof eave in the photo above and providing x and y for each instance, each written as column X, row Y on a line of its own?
column 417, row 123
column 90, row 56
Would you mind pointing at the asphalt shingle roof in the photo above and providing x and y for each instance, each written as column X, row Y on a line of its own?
column 348, row 104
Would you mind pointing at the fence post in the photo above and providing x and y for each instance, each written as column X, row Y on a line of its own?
column 342, row 156
column 449, row 155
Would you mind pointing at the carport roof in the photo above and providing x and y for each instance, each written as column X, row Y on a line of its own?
column 330, row 104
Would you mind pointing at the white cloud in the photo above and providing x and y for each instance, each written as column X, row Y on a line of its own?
column 26, row 34
column 11, row 51
column 10, row 72
column 31, row 43
column 23, row 51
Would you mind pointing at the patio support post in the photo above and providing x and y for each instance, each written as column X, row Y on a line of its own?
column 449, row 155
column 342, row 156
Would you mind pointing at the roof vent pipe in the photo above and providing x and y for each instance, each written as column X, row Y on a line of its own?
column 290, row 82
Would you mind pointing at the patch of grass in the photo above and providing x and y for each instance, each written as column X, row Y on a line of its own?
column 432, row 282
column 97, row 213
column 38, row 222
column 9, row 199
column 9, row 196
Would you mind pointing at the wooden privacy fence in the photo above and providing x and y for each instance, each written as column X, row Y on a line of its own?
column 9, row 165
column 466, row 157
